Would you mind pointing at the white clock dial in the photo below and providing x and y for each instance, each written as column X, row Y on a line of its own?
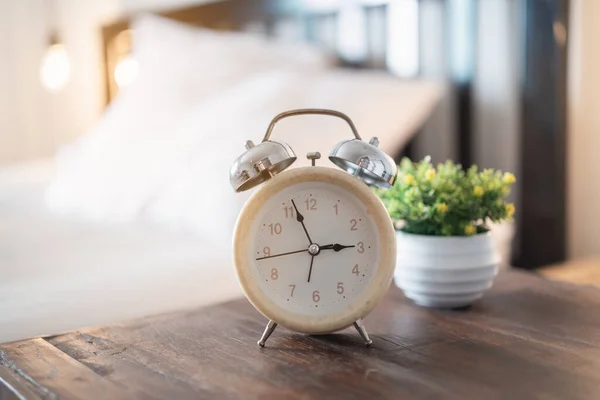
column 315, row 248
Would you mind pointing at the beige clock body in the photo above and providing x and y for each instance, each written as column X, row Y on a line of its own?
column 337, row 281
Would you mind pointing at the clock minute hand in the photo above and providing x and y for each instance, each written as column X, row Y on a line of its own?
column 300, row 218
column 335, row 247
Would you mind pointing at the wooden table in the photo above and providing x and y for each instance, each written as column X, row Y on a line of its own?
column 528, row 338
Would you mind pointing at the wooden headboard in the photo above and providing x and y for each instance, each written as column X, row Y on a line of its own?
column 234, row 15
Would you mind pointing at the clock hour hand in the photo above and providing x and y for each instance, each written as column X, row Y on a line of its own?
column 300, row 218
column 335, row 247
column 282, row 254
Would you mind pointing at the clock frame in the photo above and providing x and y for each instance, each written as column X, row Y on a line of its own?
column 370, row 296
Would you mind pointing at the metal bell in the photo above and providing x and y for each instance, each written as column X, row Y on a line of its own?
column 365, row 161
column 260, row 163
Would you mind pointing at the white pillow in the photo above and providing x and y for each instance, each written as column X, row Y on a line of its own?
column 162, row 43
column 109, row 173
column 198, row 194
column 190, row 62
column 163, row 151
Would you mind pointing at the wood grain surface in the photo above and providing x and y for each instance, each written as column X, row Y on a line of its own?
column 583, row 271
column 527, row 338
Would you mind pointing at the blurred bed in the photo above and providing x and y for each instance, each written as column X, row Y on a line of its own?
column 135, row 217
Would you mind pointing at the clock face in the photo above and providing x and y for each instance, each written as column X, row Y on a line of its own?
column 313, row 248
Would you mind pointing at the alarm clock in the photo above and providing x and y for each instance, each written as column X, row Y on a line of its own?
column 314, row 248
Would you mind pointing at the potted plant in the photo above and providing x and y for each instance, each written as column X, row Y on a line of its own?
column 446, row 255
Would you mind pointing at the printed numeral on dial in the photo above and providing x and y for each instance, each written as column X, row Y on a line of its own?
column 316, row 297
column 311, row 204
column 289, row 212
column 275, row 228
column 360, row 247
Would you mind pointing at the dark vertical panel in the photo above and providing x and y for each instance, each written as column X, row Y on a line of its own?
column 541, row 219
column 438, row 136
column 464, row 112
column 409, row 150
column 462, row 44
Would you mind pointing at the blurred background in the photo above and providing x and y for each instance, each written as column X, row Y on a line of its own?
column 119, row 120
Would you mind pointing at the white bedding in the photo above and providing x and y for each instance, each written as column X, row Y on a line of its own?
column 87, row 239
column 163, row 150
column 61, row 274
column 178, row 175
column 58, row 274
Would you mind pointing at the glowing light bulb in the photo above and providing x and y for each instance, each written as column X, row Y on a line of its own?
column 126, row 71
column 56, row 68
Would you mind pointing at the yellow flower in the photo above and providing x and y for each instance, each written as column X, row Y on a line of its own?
column 409, row 179
column 469, row 229
column 509, row 178
column 430, row 174
column 510, row 210
column 478, row 191
column 442, row 207
column 505, row 190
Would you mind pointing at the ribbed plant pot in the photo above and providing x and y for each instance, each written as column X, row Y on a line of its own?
column 445, row 271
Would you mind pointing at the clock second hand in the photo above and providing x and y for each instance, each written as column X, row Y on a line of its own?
column 300, row 218
column 282, row 254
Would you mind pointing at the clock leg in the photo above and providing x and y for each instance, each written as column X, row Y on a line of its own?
column 268, row 330
column 360, row 327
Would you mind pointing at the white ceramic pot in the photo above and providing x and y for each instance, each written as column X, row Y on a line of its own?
column 445, row 271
